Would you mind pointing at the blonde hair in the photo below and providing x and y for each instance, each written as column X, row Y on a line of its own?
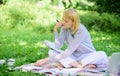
column 72, row 15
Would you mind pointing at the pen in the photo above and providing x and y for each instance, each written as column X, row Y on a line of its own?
column 58, row 21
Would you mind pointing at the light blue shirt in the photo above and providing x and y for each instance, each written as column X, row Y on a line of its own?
column 77, row 44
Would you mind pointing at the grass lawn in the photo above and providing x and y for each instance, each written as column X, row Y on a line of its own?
column 26, row 47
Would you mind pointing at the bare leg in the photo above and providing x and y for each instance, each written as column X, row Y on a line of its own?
column 41, row 61
column 59, row 65
column 53, row 65
column 92, row 66
column 76, row 65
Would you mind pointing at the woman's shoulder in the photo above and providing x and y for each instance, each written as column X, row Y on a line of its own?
column 81, row 27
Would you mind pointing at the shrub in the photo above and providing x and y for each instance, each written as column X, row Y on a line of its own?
column 17, row 14
column 104, row 22
column 28, row 15
column 108, row 22
column 3, row 1
column 110, row 6
column 41, row 16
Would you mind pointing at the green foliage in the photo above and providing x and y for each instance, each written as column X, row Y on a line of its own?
column 28, row 15
column 111, row 6
column 54, row 2
column 108, row 22
column 104, row 22
column 42, row 17
column 66, row 5
column 3, row 1
column 78, row 4
column 17, row 14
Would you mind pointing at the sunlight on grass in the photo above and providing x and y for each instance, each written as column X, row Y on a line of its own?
column 39, row 53
column 40, row 45
column 105, row 41
column 22, row 43
column 87, row 2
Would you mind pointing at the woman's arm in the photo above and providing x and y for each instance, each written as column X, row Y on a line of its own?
column 78, row 39
column 59, row 39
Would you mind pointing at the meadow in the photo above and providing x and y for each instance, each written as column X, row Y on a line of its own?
column 27, row 47
column 24, row 26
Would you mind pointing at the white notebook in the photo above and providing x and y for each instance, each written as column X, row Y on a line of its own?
column 51, row 45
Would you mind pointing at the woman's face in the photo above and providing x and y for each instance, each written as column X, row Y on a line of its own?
column 67, row 23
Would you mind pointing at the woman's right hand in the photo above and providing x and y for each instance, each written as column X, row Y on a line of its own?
column 58, row 25
column 41, row 62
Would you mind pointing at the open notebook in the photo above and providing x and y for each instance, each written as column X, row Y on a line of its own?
column 51, row 45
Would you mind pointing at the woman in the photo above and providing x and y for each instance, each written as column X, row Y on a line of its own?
column 80, row 51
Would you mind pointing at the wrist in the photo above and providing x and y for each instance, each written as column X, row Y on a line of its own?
column 55, row 29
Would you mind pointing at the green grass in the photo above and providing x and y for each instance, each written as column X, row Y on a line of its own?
column 26, row 46
column 108, row 42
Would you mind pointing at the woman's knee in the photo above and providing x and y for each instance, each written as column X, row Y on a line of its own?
column 101, row 53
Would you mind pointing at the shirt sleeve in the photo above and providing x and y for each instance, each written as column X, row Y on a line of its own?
column 78, row 39
column 59, row 39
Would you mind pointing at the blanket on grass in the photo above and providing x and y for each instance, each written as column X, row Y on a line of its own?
column 63, row 71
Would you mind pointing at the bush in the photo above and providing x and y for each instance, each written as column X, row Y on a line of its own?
column 41, row 17
column 108, row 22
column 28, row 15
column 17, row 14
column 3, row 1
column 104, row 22
column 110, row 6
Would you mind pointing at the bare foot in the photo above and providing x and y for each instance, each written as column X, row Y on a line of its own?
column 59, row 65
column 91, row 66
column 48, row 66
column 51, row 65
column 41, row 62
column 76, row 65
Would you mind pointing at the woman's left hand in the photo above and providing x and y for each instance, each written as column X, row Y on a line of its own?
column 58, row 25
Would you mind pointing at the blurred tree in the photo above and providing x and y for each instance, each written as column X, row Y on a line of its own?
column 55, row 2
column 78, row 4
column 110, row 6
column 67, row 4
column 3, row 1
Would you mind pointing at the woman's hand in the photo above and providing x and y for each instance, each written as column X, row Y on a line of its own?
column 58, row 25
column 41, row 62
